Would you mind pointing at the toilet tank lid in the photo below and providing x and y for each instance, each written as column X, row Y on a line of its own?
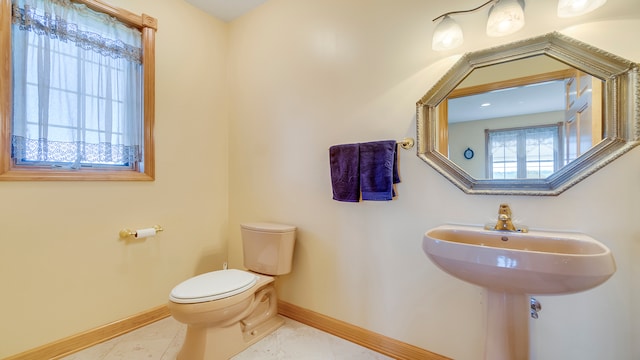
column 268, row 227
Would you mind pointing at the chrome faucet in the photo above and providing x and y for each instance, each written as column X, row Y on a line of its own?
column 504, row 220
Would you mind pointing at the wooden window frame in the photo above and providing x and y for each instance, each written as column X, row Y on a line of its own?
column 10, row 171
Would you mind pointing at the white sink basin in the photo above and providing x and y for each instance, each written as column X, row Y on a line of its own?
column 537, row 262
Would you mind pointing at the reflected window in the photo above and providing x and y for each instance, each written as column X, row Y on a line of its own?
column 506, row 262
column 523, row 153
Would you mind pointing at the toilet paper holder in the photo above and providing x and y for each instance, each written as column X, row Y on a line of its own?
column 126, row 233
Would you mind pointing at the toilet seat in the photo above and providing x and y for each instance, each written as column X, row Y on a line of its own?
column 211, row 286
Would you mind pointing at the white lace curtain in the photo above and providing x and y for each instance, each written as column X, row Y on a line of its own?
column 523, row 153
column 77, row 86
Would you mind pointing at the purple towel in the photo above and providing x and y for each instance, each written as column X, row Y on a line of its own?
column 378, row 169
column 345, row 172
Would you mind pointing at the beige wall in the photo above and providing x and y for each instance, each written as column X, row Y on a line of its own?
column 308, row 74
column 62, row 268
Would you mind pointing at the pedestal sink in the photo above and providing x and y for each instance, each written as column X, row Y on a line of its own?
column 514, row 265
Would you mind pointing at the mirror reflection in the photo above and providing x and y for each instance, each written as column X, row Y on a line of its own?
column 533, row 117
column 522, row 119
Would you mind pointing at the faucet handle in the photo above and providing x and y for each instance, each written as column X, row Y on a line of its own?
column 504, row 210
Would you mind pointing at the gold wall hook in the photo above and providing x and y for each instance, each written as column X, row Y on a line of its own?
column 407, row 143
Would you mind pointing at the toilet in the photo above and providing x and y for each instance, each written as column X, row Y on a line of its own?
column 226, row 311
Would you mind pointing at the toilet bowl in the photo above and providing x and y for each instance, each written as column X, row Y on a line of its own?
column 227, row 311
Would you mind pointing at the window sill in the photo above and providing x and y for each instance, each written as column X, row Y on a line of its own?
column 73, row 175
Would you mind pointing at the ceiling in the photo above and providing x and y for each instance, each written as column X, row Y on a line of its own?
column 226, row 10
column 530, row 99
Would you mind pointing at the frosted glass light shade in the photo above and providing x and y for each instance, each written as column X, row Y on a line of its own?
column 569, row 8
column 447, row 35
column 505, row 17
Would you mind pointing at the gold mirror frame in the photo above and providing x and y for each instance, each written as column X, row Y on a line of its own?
column 621, row 113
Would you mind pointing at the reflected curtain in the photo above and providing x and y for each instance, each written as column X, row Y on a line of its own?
column 523, row 153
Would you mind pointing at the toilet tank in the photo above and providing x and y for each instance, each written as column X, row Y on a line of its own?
column 268, row 247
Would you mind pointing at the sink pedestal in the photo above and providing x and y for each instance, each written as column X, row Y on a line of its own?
column 507, row 334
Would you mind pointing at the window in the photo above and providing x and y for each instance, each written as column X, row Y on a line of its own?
column 78, row 103
column 523, row 153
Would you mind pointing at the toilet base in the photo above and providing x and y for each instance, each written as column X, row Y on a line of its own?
column 203, row 343
column 219, row 329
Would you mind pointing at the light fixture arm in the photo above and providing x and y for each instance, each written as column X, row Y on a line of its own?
column 505, row 18
column 465, row 11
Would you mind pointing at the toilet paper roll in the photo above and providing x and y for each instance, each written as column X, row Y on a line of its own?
column 143, row 233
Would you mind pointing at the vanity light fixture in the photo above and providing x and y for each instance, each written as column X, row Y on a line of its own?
column 570, row 8
column 505, row 17
column 448, row 35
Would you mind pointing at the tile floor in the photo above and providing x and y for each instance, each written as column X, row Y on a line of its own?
column 162, row 340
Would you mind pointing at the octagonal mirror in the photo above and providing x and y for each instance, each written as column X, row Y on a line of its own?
column 533, row 117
